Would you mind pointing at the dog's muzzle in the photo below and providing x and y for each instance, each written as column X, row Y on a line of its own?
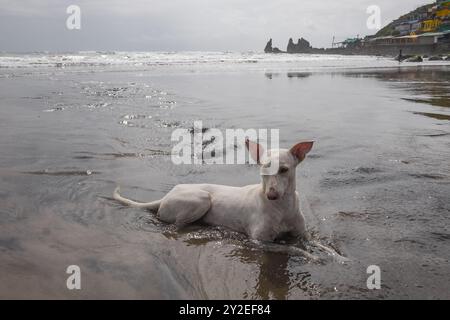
column 272, row 194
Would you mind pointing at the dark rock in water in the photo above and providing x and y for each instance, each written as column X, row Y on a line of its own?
column 302, row 46
column 436, row 58
column 415, row 59
column 268, row 48
column 290, row 46
column 448, row 58
column 276, row 50
column 403, row 57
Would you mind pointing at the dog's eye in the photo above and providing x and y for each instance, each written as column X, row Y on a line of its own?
column 283, row 170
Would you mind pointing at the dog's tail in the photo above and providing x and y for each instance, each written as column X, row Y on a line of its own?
column 154, row 205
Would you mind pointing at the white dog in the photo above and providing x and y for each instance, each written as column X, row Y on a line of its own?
column 263, row 211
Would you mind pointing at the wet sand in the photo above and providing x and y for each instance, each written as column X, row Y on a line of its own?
column 375, row 187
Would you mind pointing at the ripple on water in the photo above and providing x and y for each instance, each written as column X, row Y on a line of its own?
column 169, row 123
column 314, row 251
column 59, row 108
column 136, row 116
column 357, row 176
column 48, row 172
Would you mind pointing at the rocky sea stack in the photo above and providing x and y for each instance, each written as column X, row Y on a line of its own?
column 269, row 49
column 302, row 46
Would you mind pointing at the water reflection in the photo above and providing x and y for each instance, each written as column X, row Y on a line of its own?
column 298, row 74
column 437, row 116
column 425, row 86
column 274, row 276
column 273, row 279
column 280, row 276
column 271, row 75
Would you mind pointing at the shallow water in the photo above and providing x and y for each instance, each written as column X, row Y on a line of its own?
column 375, row 187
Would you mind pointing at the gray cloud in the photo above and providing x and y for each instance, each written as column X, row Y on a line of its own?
column 36, row 25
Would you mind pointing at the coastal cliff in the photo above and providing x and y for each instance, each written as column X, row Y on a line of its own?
column 423, row 31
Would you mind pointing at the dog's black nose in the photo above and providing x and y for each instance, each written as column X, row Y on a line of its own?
column 272, row 195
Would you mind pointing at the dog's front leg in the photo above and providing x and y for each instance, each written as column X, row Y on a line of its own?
column 299, row 231
column 262, row 233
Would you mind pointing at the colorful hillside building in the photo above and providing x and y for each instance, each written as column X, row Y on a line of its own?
column 430, row 25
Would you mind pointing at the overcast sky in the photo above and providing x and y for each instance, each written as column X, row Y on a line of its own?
column 170, row 25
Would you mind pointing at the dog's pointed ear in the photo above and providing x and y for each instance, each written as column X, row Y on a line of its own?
column 300, row 150
column 255, row 149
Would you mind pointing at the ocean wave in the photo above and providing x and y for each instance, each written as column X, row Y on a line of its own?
column 132, row 60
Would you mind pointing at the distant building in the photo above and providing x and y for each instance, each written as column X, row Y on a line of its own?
column 403, row 28
column 443, row 10
column 424, row 19
column 415, row 26
column 430, row 38
column 430, row 25
column 408, row 27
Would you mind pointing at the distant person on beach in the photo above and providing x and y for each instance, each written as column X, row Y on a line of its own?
column 400, row 56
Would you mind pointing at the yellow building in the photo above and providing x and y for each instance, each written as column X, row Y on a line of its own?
column 443, row 13
column 430, row 25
